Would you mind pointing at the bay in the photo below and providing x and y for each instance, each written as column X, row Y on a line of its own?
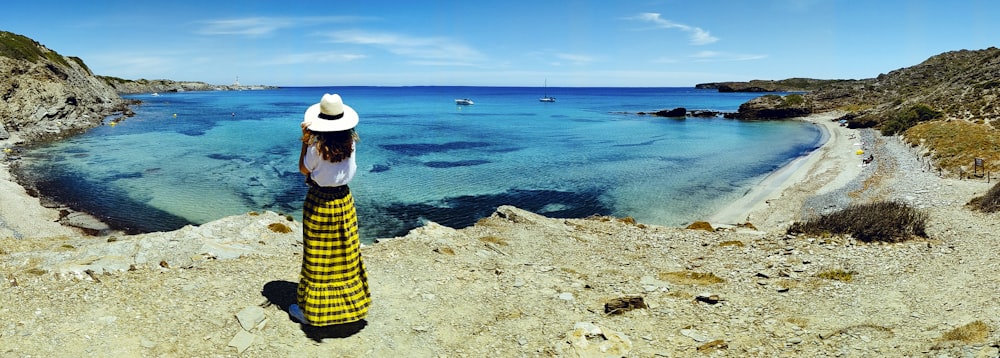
column 192, row 157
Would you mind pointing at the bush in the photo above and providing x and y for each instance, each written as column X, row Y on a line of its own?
column 881, row 221
column 989, row 202
column 909, row 117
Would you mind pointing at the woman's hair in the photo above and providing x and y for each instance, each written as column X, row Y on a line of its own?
column 332, row 146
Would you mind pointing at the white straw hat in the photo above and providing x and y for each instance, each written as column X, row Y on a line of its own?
column 331, row 115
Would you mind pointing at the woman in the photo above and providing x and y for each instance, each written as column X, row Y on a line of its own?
column 333, row 285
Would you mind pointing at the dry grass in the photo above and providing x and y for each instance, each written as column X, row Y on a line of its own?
column 871, row 329
column 494, row 240
column 700, row 225
column 690, row 278
column 989, row 202
column 956, row 144
column 837, row 274
column 885, row 221
column 280, row 228
column 974, row 332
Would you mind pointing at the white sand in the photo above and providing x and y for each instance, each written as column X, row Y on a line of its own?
column 831, row 166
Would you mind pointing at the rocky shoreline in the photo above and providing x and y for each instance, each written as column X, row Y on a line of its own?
column 520, row 284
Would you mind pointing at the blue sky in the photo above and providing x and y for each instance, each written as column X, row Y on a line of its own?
column 624, row 43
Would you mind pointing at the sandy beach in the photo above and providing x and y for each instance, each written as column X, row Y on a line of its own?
column 521, row 284
column 831, row 165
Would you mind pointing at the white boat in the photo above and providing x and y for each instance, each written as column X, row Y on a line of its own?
column 155, row 94
column 463, row 101
column 546, row 98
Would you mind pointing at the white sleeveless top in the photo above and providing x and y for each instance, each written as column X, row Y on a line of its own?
column 326, row 173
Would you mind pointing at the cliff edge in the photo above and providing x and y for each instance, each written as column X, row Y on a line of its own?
column 47, row 95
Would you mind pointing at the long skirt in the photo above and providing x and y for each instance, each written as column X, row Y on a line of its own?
column 333, row 285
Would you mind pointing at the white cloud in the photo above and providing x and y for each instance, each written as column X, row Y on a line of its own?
column 263, row 26
column 314, row 57
column 427, row 50
column 698, row 36
column 251, row 26
column 715, row 56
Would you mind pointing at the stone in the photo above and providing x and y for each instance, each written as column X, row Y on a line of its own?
column 589, row 340
column 709, row 298
column 695, row 335
column 250, row 316
column 242, row 340
column 87, row 223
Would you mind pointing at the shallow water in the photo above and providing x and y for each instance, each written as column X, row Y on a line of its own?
column 189, row 158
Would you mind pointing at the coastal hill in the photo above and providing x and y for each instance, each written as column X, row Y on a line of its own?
column 47, row 95
column 948, row 105
column 786, row 85
column 126, row 86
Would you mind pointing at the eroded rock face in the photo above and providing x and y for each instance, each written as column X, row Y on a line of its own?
column 47, row 99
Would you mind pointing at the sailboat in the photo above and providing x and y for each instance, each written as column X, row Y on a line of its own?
column 546, row 98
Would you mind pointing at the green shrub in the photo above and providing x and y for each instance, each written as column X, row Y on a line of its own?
column 793, row 100
column 881, row 221
column 989, row 202
column 909, row 117
column 22, row 48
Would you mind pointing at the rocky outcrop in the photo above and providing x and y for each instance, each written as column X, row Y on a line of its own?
column 773, row 107
column 672, row 113
column 47, row 95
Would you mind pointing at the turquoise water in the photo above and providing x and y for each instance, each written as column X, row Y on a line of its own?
column 193, row 157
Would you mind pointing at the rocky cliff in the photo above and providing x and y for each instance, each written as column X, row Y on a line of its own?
column 47, row 95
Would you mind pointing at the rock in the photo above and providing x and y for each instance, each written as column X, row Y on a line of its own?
column 695, row 335
column 773, row 107
column 86, row 222
column 242, row 340
column 250, row 317
column 679, row 112
column 709, row 298
column 624, row 304
column 589, row 340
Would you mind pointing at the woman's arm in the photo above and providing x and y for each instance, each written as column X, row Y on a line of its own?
column 302, row 161
column 305, row 147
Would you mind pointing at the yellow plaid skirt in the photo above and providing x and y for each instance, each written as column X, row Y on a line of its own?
column 333, row 285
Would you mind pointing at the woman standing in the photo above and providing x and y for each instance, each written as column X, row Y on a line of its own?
column 333, row 285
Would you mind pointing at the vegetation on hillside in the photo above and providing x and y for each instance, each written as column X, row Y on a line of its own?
column 954, row 145
column 22, row 48
column 905, row 119
column 884, row 221
column 785, row 85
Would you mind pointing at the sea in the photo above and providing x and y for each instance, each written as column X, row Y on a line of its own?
column 192, row 157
